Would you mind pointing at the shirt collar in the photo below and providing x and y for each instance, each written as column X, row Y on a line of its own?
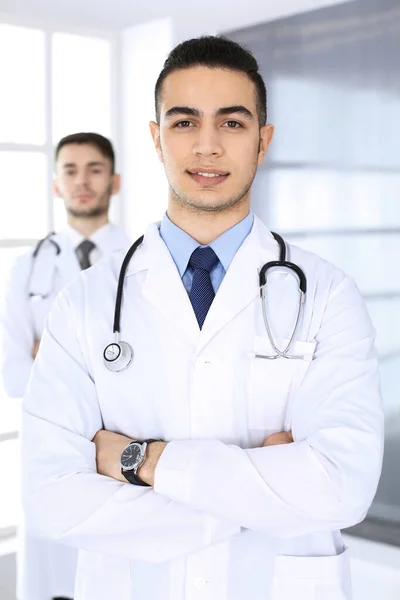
column 98, row 237
column 181, row 245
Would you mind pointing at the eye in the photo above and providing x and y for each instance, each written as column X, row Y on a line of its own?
column 70, row 172
column 232, row 124
column 96, row 171
column 183, row 124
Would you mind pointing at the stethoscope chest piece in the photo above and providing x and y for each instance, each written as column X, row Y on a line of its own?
column 117, row 356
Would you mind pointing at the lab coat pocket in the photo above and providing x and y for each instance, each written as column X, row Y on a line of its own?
column 312, row 578
column 272, row 383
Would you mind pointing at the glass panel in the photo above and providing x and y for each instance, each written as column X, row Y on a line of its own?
column 371, row 259
column 23, row 177
column 307, row 199
column 22, row 76
column 358, row 114
column 81, row 85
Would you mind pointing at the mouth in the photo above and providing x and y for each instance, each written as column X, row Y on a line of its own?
column 83, row 197
column 208, row 177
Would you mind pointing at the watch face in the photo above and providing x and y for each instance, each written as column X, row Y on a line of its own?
column 131, row 456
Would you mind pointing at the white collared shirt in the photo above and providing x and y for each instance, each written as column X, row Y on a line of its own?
column 100, row 238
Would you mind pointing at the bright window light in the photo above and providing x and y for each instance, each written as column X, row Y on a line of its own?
column 22, row 77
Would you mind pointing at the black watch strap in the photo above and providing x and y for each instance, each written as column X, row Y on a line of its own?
column 130, row 475
column 134, row 479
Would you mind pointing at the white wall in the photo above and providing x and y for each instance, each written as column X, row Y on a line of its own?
column 144, row 48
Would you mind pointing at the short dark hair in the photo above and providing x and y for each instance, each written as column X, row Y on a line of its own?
column 100, row 142
column 214, row 52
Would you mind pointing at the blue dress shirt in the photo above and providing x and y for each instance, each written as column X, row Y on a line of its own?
column 181, row 246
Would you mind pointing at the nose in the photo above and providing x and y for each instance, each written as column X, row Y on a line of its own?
column 81, row 178
column 208, row 142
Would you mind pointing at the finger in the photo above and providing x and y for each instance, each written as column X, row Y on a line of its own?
column 281, row 437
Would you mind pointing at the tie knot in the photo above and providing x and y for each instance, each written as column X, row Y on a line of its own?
column 203, row 258
column 86, row 247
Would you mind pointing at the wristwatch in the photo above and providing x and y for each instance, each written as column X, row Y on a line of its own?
column 132, row 458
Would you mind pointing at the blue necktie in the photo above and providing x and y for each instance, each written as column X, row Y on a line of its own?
column 201, row 295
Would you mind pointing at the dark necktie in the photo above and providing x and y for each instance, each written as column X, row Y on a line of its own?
column 83, row 251
column 202, row 293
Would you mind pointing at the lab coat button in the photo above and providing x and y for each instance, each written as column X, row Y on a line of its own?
column 200, row 583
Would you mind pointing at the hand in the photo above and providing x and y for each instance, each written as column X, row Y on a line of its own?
column 282, row 437
column 109, row 447
column 35, row 349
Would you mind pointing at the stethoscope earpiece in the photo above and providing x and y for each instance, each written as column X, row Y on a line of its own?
column 117, row 356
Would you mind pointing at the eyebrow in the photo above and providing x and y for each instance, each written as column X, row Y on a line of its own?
column 94, row 163
column 223, row 111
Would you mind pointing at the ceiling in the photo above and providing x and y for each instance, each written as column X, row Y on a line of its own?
column 201, row 16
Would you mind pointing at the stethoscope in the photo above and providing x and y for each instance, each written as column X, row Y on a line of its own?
column 118, row 355
column 34, row 257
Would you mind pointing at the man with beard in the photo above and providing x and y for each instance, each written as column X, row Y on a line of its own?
column 85, row 180
column 192, row 465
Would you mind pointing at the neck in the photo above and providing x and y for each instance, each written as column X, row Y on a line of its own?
column 206, row 226
column 87, row 227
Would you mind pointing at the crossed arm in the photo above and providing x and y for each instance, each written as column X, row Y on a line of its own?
column 109, row 447
column 322, row 481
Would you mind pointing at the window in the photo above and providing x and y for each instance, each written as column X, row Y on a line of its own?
column 53, row 83
column 22, row 76
column 81, row 85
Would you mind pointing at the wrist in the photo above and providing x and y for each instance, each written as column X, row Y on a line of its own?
column 147, row 469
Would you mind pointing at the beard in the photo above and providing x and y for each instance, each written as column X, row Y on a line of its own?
column 94, row 212
column 90, row 213
column 196, row 204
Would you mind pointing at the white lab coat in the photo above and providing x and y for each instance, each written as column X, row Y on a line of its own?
column 45, row 569
column 227, row 519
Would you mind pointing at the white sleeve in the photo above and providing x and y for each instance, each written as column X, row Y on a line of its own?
column 63, row 495
column 17, row 333
column 327, row 478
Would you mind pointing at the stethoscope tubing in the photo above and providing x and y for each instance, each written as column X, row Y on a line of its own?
column 35, row 254
column 263, row 275
column 282, row 262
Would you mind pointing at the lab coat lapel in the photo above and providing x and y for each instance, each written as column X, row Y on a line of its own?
column 240, row 285
column 51, row 265
column 117, row 240
column 66, row 261
column 163, row 286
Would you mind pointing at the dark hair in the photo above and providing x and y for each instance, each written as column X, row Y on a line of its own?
column 100, row 142
column 215, row 52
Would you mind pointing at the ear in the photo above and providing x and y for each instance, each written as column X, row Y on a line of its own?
column 56, row 190
column 116, row 184
column 155, row 134
column 266, row 135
